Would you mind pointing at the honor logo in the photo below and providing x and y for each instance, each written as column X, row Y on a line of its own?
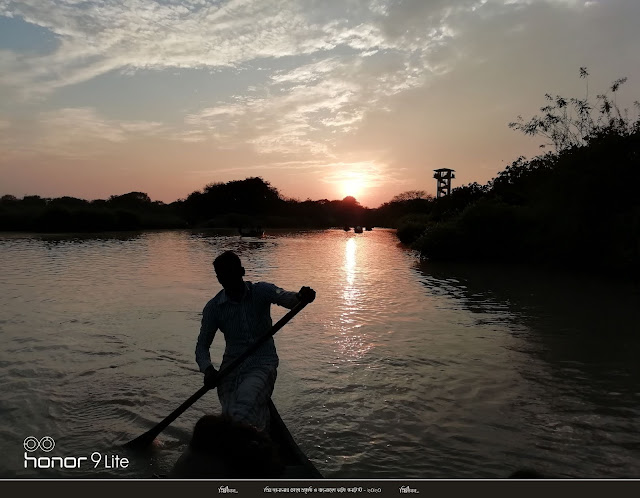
column 46, row 444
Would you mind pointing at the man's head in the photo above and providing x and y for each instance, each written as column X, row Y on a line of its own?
column 229, row 270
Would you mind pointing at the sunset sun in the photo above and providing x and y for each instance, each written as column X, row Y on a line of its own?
column 353, row 186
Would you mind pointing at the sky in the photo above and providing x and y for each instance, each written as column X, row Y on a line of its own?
column 320, row 98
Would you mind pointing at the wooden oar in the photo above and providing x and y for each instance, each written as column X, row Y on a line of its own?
column 147, row 438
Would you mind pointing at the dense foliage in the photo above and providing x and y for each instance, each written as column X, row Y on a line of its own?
column 243, row 203
column 577, row 206
column 132, row 211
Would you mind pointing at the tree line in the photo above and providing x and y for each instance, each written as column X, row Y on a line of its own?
column 240, row 203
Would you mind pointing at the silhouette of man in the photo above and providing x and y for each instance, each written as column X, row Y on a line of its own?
column 241, row 311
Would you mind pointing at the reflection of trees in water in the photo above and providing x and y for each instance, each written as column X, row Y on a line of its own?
column 579, row 406
column 254, row 254
column 584, row 329
column 80, row 238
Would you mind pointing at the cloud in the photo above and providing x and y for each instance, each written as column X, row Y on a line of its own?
column 96, row 37
column 306, row 107
column 143, row 127
column 394, row 48
column 307, row 73
column 70, row 132
column 71, row 125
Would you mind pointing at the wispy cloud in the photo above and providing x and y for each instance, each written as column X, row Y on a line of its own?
column 71, row 132
column 307, row 107
column 96, row 37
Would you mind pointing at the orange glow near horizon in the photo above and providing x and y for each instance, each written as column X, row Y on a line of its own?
column 353, row 184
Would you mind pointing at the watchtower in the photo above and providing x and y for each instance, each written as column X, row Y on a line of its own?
column 444, row 176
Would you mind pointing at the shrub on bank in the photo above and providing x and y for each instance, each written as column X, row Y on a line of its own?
column 488, row 230
column 411, row 227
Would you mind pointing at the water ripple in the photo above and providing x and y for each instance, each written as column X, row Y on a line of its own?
column 399, row 369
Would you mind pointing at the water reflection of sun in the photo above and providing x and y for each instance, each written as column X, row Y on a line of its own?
column 350, row 262
column 352, row 344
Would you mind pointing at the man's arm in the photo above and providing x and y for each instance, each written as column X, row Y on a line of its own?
column 208, row 328
column 288, row 299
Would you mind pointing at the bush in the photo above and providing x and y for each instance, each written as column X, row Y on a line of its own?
column 442, row 241
column 411, row 227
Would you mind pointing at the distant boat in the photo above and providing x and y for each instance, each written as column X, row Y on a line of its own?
column 251, row 232
column 358, row 229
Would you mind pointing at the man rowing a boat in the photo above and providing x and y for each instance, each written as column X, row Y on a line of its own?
column 241, row 310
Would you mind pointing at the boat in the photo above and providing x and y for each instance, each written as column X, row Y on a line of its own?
column 297, row 465
column 292, row 462
column 358, row 229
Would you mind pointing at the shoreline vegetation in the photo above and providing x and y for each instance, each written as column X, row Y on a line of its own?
column 240, row 204
column 577, row 206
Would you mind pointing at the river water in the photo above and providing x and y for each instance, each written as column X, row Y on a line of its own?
column 399, row 369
